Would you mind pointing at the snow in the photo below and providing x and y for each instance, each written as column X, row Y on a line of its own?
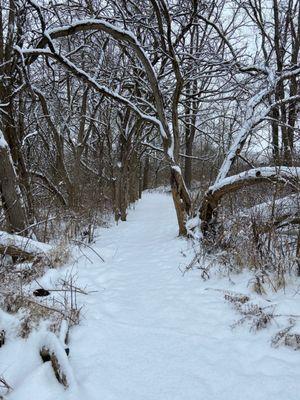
column 29, row 245
column 262, row 172
column 50, row 341
column 3, row 143
column 176, row 168
column 283, row 205
column 29, row 136
column 149, row 332
column 27, row 375
column 94, row 24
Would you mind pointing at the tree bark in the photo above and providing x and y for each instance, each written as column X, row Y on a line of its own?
column 188, row 160
column 181, row 199
column 11, row 194
column 146, row 173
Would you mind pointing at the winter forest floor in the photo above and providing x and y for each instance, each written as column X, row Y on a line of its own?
column 148, row 332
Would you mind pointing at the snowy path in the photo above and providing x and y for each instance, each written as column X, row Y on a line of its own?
column 150, row 333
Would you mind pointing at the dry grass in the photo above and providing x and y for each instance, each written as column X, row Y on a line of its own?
column 60, row 305
column 287, row 338
column 256, row 316
column 242, row 244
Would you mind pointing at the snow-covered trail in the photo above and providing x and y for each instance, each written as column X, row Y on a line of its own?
column 150, row 333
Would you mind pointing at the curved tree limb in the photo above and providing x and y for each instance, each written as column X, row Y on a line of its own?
column 212, row 198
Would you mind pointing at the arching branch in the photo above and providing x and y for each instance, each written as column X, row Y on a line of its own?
column 212, row 198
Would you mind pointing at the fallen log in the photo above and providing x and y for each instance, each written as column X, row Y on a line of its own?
column 22, row 247
column 48, row 355
column 52, row 350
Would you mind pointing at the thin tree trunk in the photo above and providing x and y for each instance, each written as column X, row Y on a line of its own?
column 275, row 136
column 146, row 173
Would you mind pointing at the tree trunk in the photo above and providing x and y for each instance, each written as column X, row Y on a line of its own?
column 188, row 160
column 181, row 198
column 10, row 191
column 121, row 193
column 140, row 179
column 275, row 136
column 146, row 173
column 12, row 134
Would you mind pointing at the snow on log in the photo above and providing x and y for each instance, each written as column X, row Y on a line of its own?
column 52, row 350
column 256, row 175
column 20, row 246
column 282, row 174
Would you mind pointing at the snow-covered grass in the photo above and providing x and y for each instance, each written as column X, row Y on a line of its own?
column 150, row 332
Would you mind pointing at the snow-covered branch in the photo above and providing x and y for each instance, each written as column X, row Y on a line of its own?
column 279, row 173
column 256, row 112
column 211, row 200
column 19, row 246
column 124, row 36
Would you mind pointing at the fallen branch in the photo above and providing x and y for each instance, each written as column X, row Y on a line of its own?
column 4, row 384
column 52, row 350
column 22, row 247
column 79, row 242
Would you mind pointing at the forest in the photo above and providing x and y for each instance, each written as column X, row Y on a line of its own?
column 149, row 186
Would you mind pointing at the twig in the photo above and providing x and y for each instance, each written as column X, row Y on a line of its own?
column 4, row 384
column 90, row 247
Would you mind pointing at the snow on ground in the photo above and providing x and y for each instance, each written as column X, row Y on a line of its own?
column 150, row 333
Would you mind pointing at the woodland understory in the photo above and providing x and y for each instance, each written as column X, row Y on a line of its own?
column 103, row 100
